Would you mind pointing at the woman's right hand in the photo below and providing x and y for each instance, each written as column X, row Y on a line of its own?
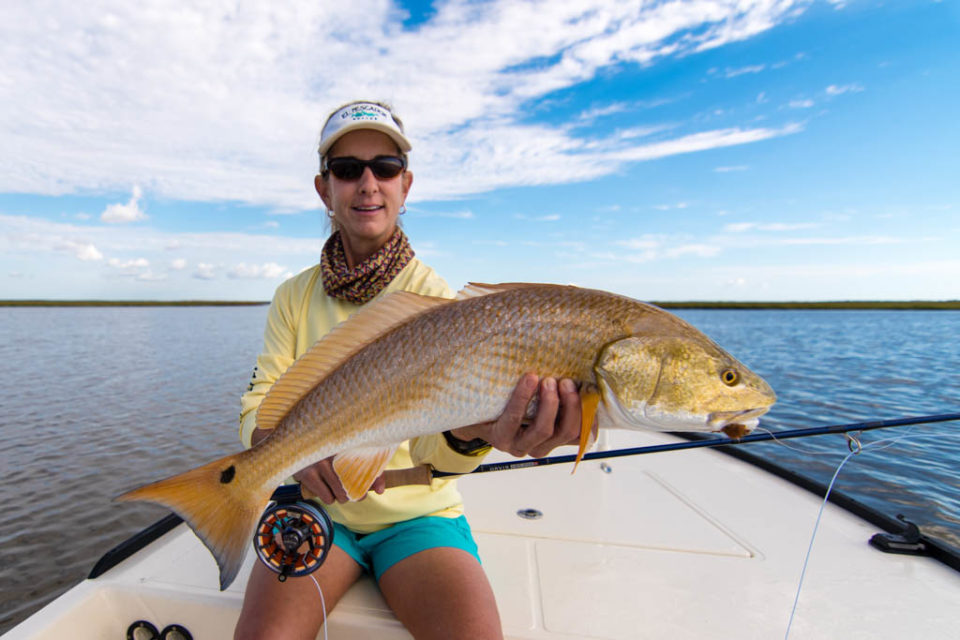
column 319, row 480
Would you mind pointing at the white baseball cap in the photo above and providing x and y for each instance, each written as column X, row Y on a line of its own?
column 361, row 115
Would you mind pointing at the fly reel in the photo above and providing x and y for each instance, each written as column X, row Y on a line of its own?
column 293, row 536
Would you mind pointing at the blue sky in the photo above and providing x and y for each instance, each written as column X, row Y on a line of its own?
column 698, row 150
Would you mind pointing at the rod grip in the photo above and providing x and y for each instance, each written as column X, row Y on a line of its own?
column 421, row 474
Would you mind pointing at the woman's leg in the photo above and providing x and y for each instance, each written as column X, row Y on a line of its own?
column 291, row 609
column 442, row 592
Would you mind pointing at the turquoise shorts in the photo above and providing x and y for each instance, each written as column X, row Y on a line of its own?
column 378, row 551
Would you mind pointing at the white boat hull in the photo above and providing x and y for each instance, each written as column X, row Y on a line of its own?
column 677, row 545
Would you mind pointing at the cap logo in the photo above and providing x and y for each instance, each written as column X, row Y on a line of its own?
column 356, row 116
column 364, row 112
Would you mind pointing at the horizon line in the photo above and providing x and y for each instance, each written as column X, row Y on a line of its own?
column 918, row 305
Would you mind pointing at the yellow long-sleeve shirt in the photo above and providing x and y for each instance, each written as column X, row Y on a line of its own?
column 301, row 313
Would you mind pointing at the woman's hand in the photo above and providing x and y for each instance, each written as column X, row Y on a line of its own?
column 319, row 480
column 557, row 421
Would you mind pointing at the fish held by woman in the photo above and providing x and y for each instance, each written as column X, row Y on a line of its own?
column 411, row 365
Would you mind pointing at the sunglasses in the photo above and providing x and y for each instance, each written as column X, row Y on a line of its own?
column 350, row 168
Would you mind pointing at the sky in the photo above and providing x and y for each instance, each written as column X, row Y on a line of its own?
column 666, row 150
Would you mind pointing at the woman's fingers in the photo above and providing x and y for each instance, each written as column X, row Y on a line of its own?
column 566, row 420
column 321, row 480
column 543, row 425
column 557, row 420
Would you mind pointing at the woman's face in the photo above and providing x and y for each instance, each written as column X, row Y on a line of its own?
column 365, row 210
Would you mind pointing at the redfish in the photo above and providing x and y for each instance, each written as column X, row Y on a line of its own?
column 411, row 365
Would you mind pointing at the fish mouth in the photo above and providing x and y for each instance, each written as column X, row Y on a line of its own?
column 735, row 424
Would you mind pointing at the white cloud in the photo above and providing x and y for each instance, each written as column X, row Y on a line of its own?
column 699, row 250
column 601, row 111
column 654, row 247
column 801, row 104
column 135, row 263
column 150, row 276
column 217, row 101
column 465, row 214
column 129, row 212
column 82, row 250
column 179, row 264
column 740, row 167
column 269, row 270
column 839, row 90
column 705, row 140
column 640, row 132
column 739, row 227
column 31, row 236
column 733, row 73
column 551, row 217
column 134, row 268
column 204, row 271
column 644, row 243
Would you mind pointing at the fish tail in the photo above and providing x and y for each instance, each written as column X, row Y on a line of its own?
column 220, row 505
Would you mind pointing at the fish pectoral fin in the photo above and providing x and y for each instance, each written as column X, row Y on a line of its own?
column 358, row 468
column 589, row 401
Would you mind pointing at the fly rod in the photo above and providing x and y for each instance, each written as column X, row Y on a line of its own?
column 424, row 473
column 294, row 536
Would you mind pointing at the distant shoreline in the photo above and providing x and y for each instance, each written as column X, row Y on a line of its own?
column 907, row 305
column 130, row 303
column 893, row 305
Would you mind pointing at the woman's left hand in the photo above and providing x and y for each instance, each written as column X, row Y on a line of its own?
column 556, row 423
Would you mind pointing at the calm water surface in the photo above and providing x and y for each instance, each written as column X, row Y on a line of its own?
column 98, row 400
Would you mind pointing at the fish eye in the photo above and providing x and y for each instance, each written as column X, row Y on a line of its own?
column 730, row 377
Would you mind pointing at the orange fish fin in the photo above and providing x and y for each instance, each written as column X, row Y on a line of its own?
column 589, row 401
column 218, row 503
column 478, row 289
column 336, row 347
column 358, row 468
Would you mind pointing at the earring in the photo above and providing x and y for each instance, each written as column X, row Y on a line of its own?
column 330, row 214
column 403, row 209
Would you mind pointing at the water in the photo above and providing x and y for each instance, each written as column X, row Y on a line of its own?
column 98, row 400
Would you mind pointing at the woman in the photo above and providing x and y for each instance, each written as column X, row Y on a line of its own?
column 414, row 540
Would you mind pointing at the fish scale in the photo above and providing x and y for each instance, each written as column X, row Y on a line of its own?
column 409, row 365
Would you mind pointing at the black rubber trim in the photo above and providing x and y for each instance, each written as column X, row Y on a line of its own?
column 935, row 549
column 133, row 544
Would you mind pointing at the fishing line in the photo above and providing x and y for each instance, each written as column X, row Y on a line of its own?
column 806, row 452
column 323, row 605
column 816, row 525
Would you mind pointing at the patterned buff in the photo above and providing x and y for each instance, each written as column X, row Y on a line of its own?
column 364, row 281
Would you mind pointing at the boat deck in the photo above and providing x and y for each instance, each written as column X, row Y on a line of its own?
column 679, row 545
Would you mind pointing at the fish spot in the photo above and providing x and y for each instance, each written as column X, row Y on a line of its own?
column 226, row 476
